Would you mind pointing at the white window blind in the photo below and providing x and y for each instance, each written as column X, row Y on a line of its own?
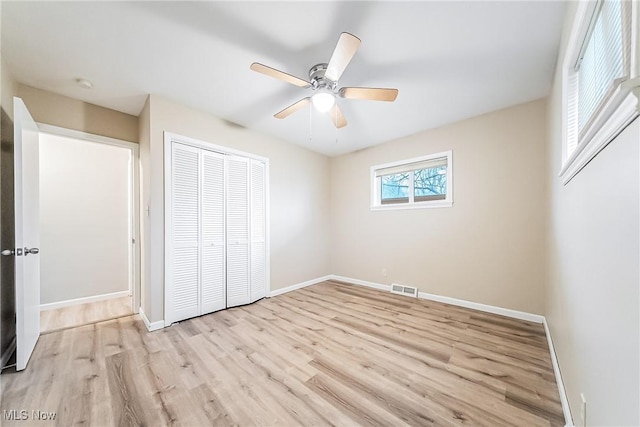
column 572, row 112
column 603, row 61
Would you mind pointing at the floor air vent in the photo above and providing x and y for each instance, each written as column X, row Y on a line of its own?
column 408, row 291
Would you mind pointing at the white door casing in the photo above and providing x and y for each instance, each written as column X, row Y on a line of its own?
column 134, row 187
column 27, row 232
column 258, row 247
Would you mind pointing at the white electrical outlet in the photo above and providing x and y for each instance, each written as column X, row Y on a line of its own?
column 384, row 272
column 583, row 409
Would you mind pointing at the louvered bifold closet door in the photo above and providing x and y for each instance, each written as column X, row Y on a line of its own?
column 238, row 291
column 258, row 249
column 213, row 286
column 185, row 195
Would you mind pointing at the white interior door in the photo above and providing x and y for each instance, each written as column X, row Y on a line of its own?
column 238, row 291
column 27, row 233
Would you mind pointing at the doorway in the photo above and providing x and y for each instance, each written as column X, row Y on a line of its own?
column 88, row 228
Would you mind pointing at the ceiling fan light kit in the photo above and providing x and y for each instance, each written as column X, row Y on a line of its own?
column 323, row 100
column 323, row 81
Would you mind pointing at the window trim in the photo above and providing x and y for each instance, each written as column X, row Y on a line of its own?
column 376, row 189
column 616, row 114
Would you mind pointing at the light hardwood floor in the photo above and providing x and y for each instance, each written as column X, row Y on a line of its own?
column 328, row 354
column 84, row 314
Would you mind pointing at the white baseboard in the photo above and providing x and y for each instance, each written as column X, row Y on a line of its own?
column 566, row 410
column 150, row 326
column 299, row 286
column 84, row 300
column 373, row 285
column 6, row 355
column 522, row 315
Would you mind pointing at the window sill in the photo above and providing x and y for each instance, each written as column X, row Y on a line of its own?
column 624, row 114
column 423, row 205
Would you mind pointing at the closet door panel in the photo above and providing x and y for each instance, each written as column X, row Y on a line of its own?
column 185, row 284
column 238, row 290
column 237, row 275
column 185, row 195
column 258, row 271
column 258, row 231
column 213, row 233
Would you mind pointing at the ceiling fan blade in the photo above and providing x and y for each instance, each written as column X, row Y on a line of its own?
column 370, row 93
column 292, row 108
column 345, row 49
column 337, row 117
column 280, row 75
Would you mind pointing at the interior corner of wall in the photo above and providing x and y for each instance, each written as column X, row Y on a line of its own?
column 8, row 87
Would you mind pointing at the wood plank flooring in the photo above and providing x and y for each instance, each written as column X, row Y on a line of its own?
column 328, row 354
column 84, row 314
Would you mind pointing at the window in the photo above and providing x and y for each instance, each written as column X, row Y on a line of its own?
column 597, row 99
column 423, row 182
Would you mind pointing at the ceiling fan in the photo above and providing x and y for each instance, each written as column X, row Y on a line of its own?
column 323, row 81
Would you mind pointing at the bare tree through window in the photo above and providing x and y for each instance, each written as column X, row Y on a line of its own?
column 428, row 184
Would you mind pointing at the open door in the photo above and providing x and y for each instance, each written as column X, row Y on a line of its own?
column 27, row 232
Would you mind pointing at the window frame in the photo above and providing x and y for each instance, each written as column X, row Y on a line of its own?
column 376, row 185
column 619, row 108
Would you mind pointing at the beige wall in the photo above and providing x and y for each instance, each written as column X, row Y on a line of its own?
column 8, row 89
column 84, row 219
column 593, row 296
column 487, row 248
column 299, row 213
column 53, row 109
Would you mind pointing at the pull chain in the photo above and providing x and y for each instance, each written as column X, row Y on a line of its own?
column 310, row 124
column 335, row 111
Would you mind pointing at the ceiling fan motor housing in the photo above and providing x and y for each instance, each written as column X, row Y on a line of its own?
column 318, row 80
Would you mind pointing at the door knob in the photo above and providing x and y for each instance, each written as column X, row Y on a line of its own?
column 16, row 252
column 33, row 251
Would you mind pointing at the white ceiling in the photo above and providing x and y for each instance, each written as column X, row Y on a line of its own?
column 449, row 60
